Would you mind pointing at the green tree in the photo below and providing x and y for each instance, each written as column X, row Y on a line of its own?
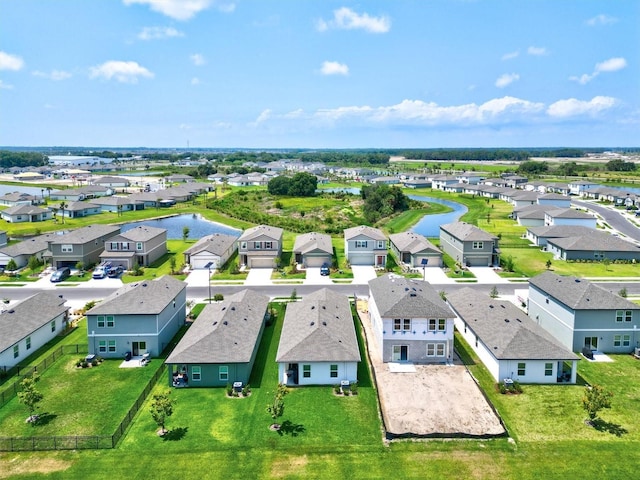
column 623, row 292
column 12, row 265
column 172, row 264
column 276, row 407
column 34, row 263
column 185, row 233
column 606, row 262
column 63, row 205
column 161, row 409
column 494, row 292
column 548, row 264
column 30, row 396
column 279, row 185
column 303, row 185
column 595, row 398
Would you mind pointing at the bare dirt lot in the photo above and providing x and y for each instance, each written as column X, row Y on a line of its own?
column 435, row 400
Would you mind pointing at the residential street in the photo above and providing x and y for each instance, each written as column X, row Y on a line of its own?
column 614, row 218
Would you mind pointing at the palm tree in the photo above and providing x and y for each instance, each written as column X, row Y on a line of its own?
column 63, row 205
column 49, row 191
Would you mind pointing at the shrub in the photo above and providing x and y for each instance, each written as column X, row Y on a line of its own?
column 246, row 390
column 229, row 389
column 336, row 389
column 354, row 388
column 502, row 388
column 517, row 387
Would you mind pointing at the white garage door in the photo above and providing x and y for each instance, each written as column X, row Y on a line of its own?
column 203, row 262
column 361, row 259
column 317, row 261
column 260, row 262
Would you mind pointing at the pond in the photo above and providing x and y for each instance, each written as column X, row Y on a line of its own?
column 429, row 225
column 198, row 226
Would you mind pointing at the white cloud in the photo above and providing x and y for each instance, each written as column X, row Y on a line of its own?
column 184, row 126
column 263, row 117
column 506, row 79
column 197, row 59
column 183, row 9
column 195, row 81
column 511, row 55
column 124, row 72
column 572, row 107
column 5, row 86
column 601, row 20
column 10, row 62
column 334, row 68
column 611, row 65
column 157, row 33
column 56, row 75
column 537, row 51
column 346, row 19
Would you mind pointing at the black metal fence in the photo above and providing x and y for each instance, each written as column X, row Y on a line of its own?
column 79, row 442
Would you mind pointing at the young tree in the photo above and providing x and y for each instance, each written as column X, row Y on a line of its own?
column 595, row 399
column 172, row 264
column 12, row 265
column 494, row 292
column 606, row 262
column 30, row 396
column 548, row 264
column 33, row 263
column 276, row 408
column 623, row 292
column 185, row 233
column 161, row 409
column 63, row 205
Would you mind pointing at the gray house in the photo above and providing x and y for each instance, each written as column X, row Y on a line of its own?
column 82, row 245
column 25, row 213
column 139, row 318
column 28, row 325
column 211, row 250
column 508, row 342
column 595, row 245
column 21, row 252
column 365, row 245
column 141, row 245
column 318, row 344
column 410, row 321
column 260, row 246
column 118, row 204
column 468, row 245
column 313, row 249
column 221, row 345
column 582, row 314
column 412, row 248
column 80, row 209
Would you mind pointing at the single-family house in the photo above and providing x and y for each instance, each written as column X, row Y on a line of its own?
column 578, row 187
column 25, row 213
column 17, row 198
column 524, row 198
column 82, row 245
column 469, row 245
column 118, row 204
column 81, row 193
column 29, row 324
column 410, row 321
column 139, row 318
column 179, row 178
column 112, row 182
column 260, row 246
column 365, row 245
column 318, row 344
column 211, row 251
column 540, row 235
column 80, row 209
column 21, row 252
column 580, row 313
column 509, row 343
column 414, row 250
column 594, row 245
column 555, row 200
column 313, row 249
column 569, row 216
column 440, row 181
column 141, row 245
column 532, row 215
column 220, row 347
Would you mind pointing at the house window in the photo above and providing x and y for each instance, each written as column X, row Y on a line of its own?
column 268, row 245
column 626, row 340
column 617, row 340
column 243, row 245
column 16, row 351
column 28, row 343
column 548, row 369
column 138, row 245
column 124, row 246
column 361, row 244
column 306, row 371
column 333, row 371
column 440, row 349
column 478, row 245
column 53, row 326
column 406, row 324
column 224, row 373
column 442, row 325
column 114, row 246
column 111, row 346
column 402, row 324
column 432, row 324
column 435, row 349
column 102, row 346
column 257, row 245
column 111, row 322
column 381, row 244
column 100, row 321
column 196, row 373
column 598, row 255
column 66, row 248
column 626, row 315
column 522, row 369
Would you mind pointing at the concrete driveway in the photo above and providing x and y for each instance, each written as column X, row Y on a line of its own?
column 487, row 275
column 436, row 276
column 259, row 276
column 314, row 278
column 363, row 273
column 198, row 277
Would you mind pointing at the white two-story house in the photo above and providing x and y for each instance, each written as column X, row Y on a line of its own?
column 365, row 245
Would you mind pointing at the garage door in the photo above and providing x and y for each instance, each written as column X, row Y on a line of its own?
column 361, row 259
column 203, row 262
column 478, row 261
column 260, row 262
column 317, row 261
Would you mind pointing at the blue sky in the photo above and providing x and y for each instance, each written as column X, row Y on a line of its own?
column 319, row 74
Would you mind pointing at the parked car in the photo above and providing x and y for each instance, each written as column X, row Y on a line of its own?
column 60, row 274
column 115, row 272
column 101, row 270
column 324, row 269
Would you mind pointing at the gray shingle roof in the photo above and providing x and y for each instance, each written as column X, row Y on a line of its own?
column 142, row 233
column 579, row 294
column 309, row 242
column 467, row 232
column 23, row 318
column 506, row 331
column 217, row 244
column 412, row 242
column 25, row 210
column 224, row 332
column 399, row 297
column 148, row 297
column 86, row 234
column 594, row 240
column 30, row 246
column 569, row 213
column 370, row 232
column 259, row 230
column 319, row 329
column 559, row 231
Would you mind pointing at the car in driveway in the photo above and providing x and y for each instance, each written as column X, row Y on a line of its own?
column 60, row 274
column 324, row 269
column 101, row 270
column 115, row 272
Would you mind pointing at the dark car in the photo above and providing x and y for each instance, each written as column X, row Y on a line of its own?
column 115, row 272
column 60, row 274
column 324, row 269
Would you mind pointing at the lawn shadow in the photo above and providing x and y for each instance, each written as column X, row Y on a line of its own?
column 175, row 434
column 612, row 428
column 45, row 418
column 259, row 365
column 289, row 428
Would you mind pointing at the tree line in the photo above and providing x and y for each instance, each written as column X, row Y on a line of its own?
column 10, row 159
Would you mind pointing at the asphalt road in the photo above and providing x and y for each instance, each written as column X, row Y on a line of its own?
column 615, row 219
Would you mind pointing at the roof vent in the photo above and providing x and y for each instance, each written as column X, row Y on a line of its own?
column 215, row 323
column 312, row 323
column 144, row 284
column 225, row 323
column 324, row 307
column 413, row 294
column 324, row 323
column 490, row 306
column 224, row 308
column 313, row 307
column 502, row 306
column 506, row 320
column 233, row 309
column 11, row 311
column 577, row 280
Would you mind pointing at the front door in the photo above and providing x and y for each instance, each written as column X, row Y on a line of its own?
column 380, row 260
column 138, row 348
column 591, row 342
column 400, row 353
column 293, row 372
